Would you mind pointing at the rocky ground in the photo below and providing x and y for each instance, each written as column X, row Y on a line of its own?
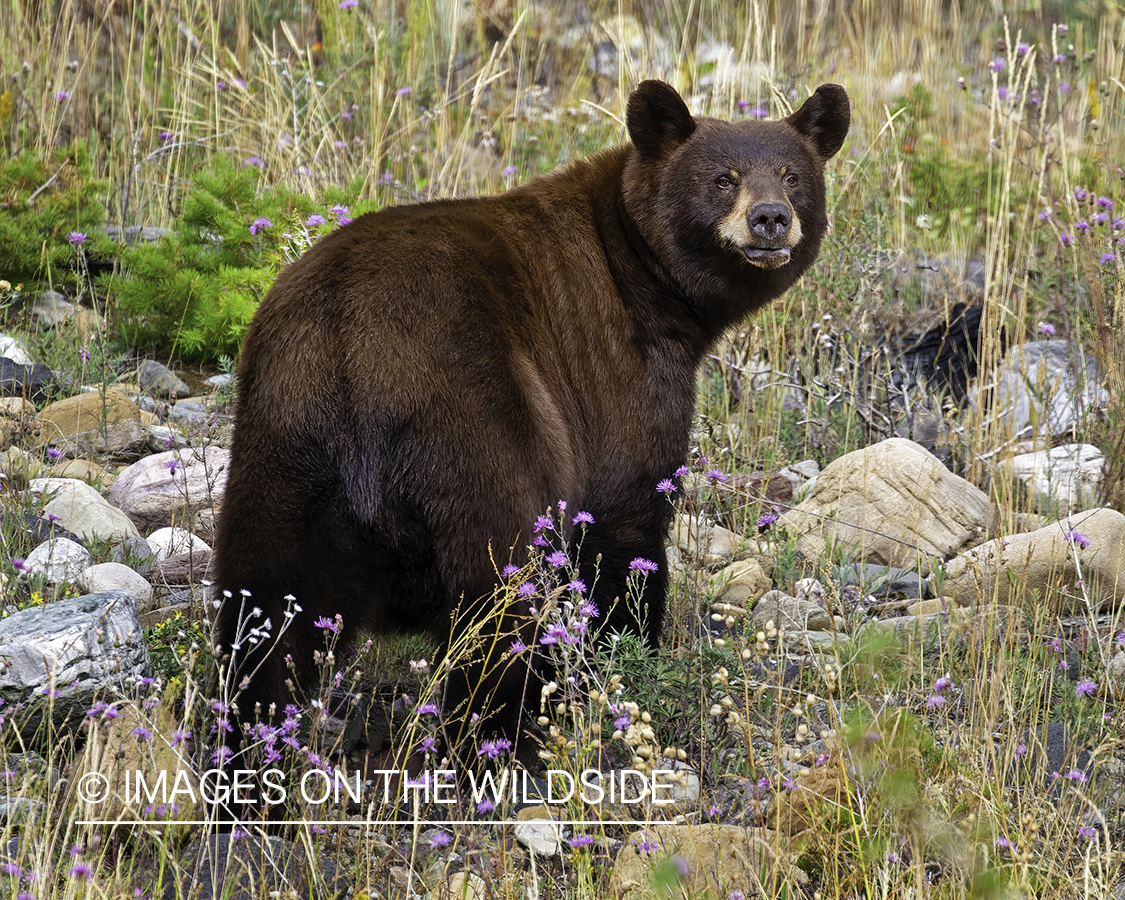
column 115, row 491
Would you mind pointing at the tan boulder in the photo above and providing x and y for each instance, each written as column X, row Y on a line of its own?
column 893, row 504
column 717, row 859
column 1048, row 563
column 94, row 422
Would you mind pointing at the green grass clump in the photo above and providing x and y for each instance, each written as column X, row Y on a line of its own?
column 46, row 199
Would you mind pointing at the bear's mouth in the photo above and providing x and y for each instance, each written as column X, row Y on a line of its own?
column 766, row 258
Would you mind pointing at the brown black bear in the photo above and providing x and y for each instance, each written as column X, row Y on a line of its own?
column 426, row 381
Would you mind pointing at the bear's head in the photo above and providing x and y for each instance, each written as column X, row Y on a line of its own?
column 734, row 211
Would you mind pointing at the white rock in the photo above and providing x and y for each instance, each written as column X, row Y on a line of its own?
column 679, row 791
column 541, row 836
column 60, row 559
column 704, row 540
column 1062, row 479
column 1041, row 375
column 113, row 576
column 13, row 350
column 81, row 510
column 175, row 486
column 167, row 542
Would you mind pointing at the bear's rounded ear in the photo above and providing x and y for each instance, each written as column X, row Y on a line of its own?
column 824, row 119
column 657, row 118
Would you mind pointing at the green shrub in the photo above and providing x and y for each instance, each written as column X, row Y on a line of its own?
column 44, row 201
column 193, row 293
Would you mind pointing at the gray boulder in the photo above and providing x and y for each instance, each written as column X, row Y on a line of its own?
column 1055, row 378
column 59, row 559
column 59, row 658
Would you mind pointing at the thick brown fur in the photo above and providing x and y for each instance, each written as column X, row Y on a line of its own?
column 429, row 379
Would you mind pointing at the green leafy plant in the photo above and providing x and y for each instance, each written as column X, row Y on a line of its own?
column 194, row 292
column 44, row 200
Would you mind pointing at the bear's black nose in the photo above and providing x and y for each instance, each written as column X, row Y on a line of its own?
column 770, row 221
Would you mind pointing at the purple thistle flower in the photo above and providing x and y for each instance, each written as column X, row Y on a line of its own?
column 1022, row 49
column 165, row 137
column 997, row 65
column 589, row 610
column 1081, row 194
column 1064, row 87
column 758, row 112
column 327, row 624
column 143, row 733
column 253, row 160
column 578, row 586
column 1085, row 688
column 647, row 846
column 582, row 518
column 768, row 519
column 527, row 589
column 315, row 220
column 622, row 721
column 942, row 684
column 558, row 559
column 404, row 91
column 1066, row 239
column 1087, row 832
column 347, row 4
column 485, row 806
column 681, row 865
column 1045, row 215
column 666, row 486
column 681, row 472
column 509, row 570
column 260, row 223
column 581, row 840
column 1104, row 203
column 509, row 171
column 77, row 238
column 1046, row 328
column 427, row 709
column 715, row 475
column 1118, row 224
column 81, row 870
column 1002, row 92
column 1099, row 218
column 517, row 647
column 1060, row 58
column 60, row 96
column 493, row 749
column 543, row 523
column 1082, row 226
column 441, row 839
column 555, row 634
column 173, row 466
column 1108, row 258
column 1076, row 775
column 935, row 701
column 643, row 566
column 1079, row 540
column 20, row 564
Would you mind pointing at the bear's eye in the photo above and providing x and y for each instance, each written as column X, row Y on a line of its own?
column 724, row 183
column 791, row 179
